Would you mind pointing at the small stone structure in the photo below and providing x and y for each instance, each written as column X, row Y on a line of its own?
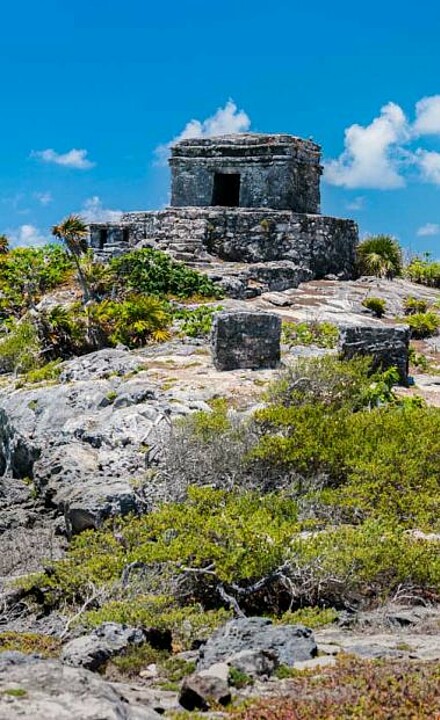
column 280, row 172
column 388, row 346
column 238, row 201
column 246, row 340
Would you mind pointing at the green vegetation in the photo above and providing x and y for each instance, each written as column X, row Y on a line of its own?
column 195, row 322
column 423, row 324
column 336, row 454
column 29, row 643
column 312, row 617
column 383, row 690
column 153, row 272
column 379, row 255
column 376, row 305
column 322, row 334
column 424, row 271
column 412, row 305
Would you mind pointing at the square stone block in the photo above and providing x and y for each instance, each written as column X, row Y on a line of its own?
column 246, row 340
column 388, row 346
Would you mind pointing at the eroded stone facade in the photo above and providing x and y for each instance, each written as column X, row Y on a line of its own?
column 246, row 200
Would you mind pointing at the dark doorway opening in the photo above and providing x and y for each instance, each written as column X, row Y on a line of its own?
column 126, row 236
column 103, row 237
column 226, row 189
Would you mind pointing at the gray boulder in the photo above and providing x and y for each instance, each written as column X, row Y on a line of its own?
column 201, row 692
column 94, row 650
column 286, row 643
column 36, row 689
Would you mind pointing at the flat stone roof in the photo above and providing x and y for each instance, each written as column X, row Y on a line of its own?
column 247, row 144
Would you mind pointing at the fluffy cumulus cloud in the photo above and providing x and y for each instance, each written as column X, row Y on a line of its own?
column 76, row 159
column 27, row 236
column 428, row 229
column 226, row 120
column 427, row 120
column 94, row 211
column 370, row 159
column 380, row 155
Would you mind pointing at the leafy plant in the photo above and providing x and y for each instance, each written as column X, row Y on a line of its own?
column 153, row 272
column 73, row 232
column 196, row 322
column 423, row 324
column 424, row 271
column 376, row 305
column 19, row 348
column 379, row 255
column 135, row 320
column 322, row 334
column 413, row 305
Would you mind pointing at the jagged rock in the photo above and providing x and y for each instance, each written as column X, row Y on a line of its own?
column 389, row 346
column 287, row 643
column 94, row 650
column 84, row 440
column 200, row 692
column 255, row 663
column 246, row 340
column 48, row 690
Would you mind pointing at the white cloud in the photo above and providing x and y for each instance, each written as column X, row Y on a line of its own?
column 93, row 211
column 358, row 203
column 427, row 120
column 76, row 159
column 225, row 121
column 372, row 154
column 45, row 198
column 428, row 229
column 429, row 165
column 27, row 236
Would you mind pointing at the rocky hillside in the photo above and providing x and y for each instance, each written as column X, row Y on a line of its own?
column 179, row 539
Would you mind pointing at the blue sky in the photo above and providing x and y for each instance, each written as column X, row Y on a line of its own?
column 91, row 89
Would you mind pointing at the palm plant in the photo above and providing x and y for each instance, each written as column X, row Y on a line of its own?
column 379, row 255
column 73, row 232
column 4, row 244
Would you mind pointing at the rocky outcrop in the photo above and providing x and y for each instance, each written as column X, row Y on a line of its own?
column 94, row 650
column 287, row 643
column 246, row 340
column 36, row 689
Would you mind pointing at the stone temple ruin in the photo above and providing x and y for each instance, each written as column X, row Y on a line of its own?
column 245, row 209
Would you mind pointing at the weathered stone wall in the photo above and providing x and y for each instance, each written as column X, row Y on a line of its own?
column 246, row 340
column 276, row 171
column 388, row 346
column 320, row 244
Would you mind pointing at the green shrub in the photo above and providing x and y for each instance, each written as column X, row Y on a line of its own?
column 134, row 321
column 379, row 255
column 419, row 360
column 376, row 305
column 322, row 334
column 46, row 373
column 423, row 324
column 153, row 272
column 312, row 617
column 412, row 305
column 27, row 273
column 424, row 271
column 29, row 643
column 195, row 322
column 20, row 348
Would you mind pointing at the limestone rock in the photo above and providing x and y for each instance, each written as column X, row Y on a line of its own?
column 93, row 650
column 287, row 643
column 255, row 663
column 246, row 340
column 47, row 690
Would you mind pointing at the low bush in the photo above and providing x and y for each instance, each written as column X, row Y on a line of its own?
column 423, row 324
column 376, row 305
column 322, row 334
column 354, row 688
column 29, row 643
column 379, row 255
column 424, row 271
column 413, row 305
column 152, row 272
column 20, row 347
column 195, row 322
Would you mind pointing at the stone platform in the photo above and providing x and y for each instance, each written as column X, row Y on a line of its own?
column 205, row 237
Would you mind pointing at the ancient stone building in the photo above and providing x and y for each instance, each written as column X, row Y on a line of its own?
column 245, row 209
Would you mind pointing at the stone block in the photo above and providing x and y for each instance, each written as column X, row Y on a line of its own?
column 388, row 346
column 246, row 340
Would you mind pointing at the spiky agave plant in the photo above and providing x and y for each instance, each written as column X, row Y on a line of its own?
column 379, row 255
column 73, row 231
